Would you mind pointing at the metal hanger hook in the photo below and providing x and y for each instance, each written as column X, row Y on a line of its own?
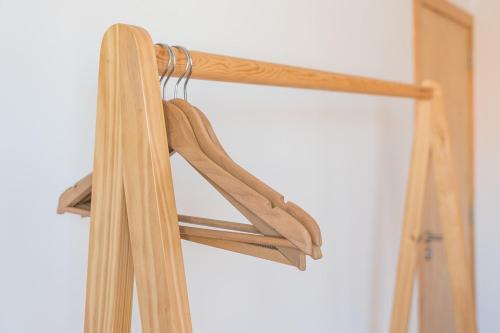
column 187, row 73
column 169, row 69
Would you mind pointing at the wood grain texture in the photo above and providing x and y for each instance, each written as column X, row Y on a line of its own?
column 432, row 139
column 198, row 119
column 136, row 170
column 214, row 67
column 443, row 53
column 110, row 271
column 83, row 212
column 149, row 194
column 278, row 200
column 449, row 10
column 295, row 256
column 236, row 237
column 412, row 224
column 75, row 194
column 450, row 214
column 212, row 147
column 133, row 196
column 182, row 139
column 228, row 225
column 242, row 248
column 257, row 209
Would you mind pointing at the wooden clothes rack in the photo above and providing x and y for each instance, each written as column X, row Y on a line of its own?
column 134, row 229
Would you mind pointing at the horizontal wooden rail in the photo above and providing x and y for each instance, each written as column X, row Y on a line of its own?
column 237, row 237
column 218, row 224
column 214, row 67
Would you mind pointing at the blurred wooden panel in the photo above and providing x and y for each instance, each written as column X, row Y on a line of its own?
column 443, row 52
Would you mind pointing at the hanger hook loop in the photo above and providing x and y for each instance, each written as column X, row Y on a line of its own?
column 169, row 69
column 187, row 73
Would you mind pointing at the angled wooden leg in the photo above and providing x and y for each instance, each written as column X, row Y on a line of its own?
column 149, row 193
column 110, row 270
column 451, row 220
column 133, row 207
column 412, row 219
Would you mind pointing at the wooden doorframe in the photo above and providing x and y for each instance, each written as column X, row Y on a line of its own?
column 463, row 18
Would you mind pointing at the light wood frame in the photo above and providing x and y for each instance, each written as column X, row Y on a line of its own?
column 431, row 144
column 461, row 17
column 134, row 228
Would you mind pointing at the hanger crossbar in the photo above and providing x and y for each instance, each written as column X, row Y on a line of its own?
column 213, row 67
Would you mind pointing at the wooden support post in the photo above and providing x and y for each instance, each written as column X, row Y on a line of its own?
column 133, row 206
column 432, row 145
column 110, row 272
column 458, row 259
column 419, row 167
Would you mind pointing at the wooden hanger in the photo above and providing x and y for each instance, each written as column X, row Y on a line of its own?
column 183, row 140
column 210, row 145
column 77, row 200
column 261, row 247
column 295, row 256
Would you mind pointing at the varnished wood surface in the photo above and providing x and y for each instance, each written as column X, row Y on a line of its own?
column 214, row 67
column 132, row 152
column 75, row 194
column 149, row 194
column 110, row 271
column 451, row 11
column 218, row 224
column 236, row 237
column 443, row 53
column 212, row 147
column 208, row 141
column 242, row 248
column 450, row 215
column 412, row 222
column 295, row 256
column 230, row 241
column 432, row 144
column 146, row 173
column 183, row 140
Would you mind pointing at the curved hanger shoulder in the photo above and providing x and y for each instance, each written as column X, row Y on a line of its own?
column 183, row 140
column 210, row 144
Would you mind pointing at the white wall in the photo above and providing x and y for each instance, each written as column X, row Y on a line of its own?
column 487, row 117
column 487, row 83
column 341, row 157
